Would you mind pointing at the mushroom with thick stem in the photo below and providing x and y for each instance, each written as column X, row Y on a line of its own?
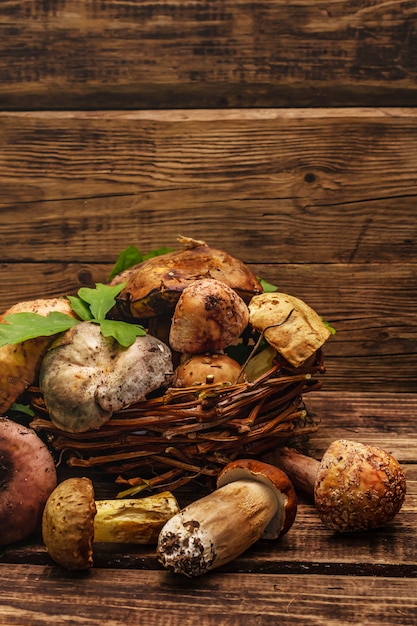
column 253, row 500
column 355, row 486
column 73, row 521
column 27, row 477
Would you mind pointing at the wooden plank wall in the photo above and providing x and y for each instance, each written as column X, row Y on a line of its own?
column 284, row 132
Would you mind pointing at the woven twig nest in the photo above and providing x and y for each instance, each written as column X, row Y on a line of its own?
column 190, row 433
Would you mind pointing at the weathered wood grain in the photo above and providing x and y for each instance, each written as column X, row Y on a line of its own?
column 207, row 54
column 114, row 597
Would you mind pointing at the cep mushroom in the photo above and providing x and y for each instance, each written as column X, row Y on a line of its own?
column 85, row 377
column 253, row 500
column 208, row 317
column 355, row 486
column 207, row 369
column 27, row 477
column 154, row 286
column 73, row 521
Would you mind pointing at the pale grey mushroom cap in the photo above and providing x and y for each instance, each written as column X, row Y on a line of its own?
column 85, row 377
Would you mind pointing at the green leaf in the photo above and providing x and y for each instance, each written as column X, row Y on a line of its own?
column 127, row 258
column 267, row 287
column 22, row 408
column 123, row 332
column 80, row 308
column 158, row 252
column 101, row 299
column 331, row 329
column 23, row 326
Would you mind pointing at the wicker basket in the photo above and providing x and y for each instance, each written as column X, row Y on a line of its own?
column 188, row 434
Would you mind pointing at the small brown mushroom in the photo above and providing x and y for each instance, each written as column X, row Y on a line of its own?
column 208, row 317
column 206, row 369
column 27, row 477
column 354, row 487
column 73, row 520
column 252, row 500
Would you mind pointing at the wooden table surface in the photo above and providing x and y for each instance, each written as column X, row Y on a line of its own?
column 311, row 576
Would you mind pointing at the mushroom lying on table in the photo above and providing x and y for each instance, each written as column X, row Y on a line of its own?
column 27, row 477
column 73, row 521
column 355, row 486
column 85, row 376
column 252, row 500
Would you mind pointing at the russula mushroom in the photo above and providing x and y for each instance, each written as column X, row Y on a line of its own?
column 27, row 477
column 253, row 500
column 85, row 376
column 288, row 324
column 355, row 486
column 208, row 317
column 154, row 286
column 206, row 369
column 73, row 521
column 20, row 363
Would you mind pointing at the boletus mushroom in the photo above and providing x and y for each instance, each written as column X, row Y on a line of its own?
column 85, row 376
column 207, row 369
column 208, row 317
column 73, row 521
column 154, row 286
column 355, row 486
column 253, row 500
column 27, row 478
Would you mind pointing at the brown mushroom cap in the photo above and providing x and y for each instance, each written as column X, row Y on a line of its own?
column 68, row 524
column 273, row 477
column 154, row 286
column 203, row 369
column 208, row 317
column 27, row 477
column 358, row 486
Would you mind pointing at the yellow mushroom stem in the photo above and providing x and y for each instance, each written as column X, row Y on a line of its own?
column 135, row 520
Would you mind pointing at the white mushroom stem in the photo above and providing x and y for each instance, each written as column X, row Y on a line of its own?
column 253, row 500
column 217, row 528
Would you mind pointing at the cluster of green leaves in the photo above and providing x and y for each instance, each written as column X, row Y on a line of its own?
column 89, row 304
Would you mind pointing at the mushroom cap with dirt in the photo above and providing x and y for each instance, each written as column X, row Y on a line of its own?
column 154, row 286
column 209, row 317
column 27, row 478
column 85, row 377
column 206, row 369
column 355, row 486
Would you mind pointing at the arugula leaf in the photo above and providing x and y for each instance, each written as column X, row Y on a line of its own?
column 331, row 329
column 101, row 299
column 24, row 326
column 123, row 332
column 80, row 308
column 157, row 252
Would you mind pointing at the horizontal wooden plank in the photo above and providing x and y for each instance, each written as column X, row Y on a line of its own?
column 207, row 54
column 116, row 598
